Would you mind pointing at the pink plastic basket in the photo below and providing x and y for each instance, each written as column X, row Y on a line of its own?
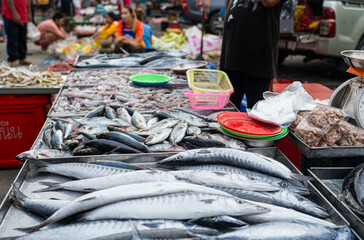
column 208, row 100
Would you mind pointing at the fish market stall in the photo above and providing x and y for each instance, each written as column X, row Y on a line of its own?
column 331, row 182
column 25, row 97
column 30, row 191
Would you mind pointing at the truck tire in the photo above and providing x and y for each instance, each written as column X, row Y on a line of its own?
column 216, row 23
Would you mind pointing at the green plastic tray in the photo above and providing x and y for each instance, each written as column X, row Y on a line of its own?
column 284, row 130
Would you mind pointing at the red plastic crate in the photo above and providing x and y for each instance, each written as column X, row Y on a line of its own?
column 21, row 119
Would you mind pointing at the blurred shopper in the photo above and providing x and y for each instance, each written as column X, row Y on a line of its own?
column 129, row 32
column 147, row 33
column 108, row 30
column 16, row 14
column 67, row 7
column 51, row 30
column 99, row 9
column 249, row 51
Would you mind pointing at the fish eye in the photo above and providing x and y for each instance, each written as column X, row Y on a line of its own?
column 179, row 158
column 213, row 218
column 252, row 178
column 300, row 198
column 239, row 201
column 284, row 184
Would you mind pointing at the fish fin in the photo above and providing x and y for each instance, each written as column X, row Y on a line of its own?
column 34, row 228
column 87, row 199
column 9, row 238
column 115, row 149
column 49, row 184
column 36, row 163
column 89, row 189
column 51, row 187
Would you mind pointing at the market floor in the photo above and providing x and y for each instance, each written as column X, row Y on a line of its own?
column 7, row 176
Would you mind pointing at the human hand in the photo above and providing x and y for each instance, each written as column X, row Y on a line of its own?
column 30, row 18
column 16, row 18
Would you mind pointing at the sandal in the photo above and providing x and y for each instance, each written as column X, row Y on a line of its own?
column 24, row 63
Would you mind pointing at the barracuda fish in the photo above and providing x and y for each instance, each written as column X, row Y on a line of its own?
column 110, row 113
column 282, row 198
column 41, row 153
column 120, row 193
column 41, row 207
column 117, row 164
column 158, row 136
column 100, row 183
column 190, row 119
column 287, row 230
column 179, row 206
column 111, row 146
column 353, row 188
column 98, row 111
column 114, row 229
column 296, row 187
column 235, row 158
column 219, row 222
column 277, row 214
column 224, row 179
column 73, row 170
column 138, row 120
column 124, row 115
column 125, row 139
column 178, row 133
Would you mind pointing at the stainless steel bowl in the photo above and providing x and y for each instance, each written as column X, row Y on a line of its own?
column 354, row 58
column 257, row 143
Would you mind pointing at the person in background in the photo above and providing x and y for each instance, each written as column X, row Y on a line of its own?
column 51, row 30
column 99, row 9
column 129, row 32
column 108, row 30
column 147, row 33
column 67, row 7
column 16, row 14
column 249, row 53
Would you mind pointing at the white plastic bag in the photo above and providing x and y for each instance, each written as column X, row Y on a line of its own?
column 281, row 109
column 33, row 33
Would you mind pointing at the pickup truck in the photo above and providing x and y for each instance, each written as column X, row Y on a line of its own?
column 340, row 26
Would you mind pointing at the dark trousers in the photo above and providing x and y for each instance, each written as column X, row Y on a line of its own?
column 16, row 39
column 252, row 86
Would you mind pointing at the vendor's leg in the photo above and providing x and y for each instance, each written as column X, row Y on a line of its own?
column 11, row 30
column 22, row 38
column 254, row 89
column 237, row 80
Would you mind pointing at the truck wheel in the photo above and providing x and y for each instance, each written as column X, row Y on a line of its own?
column 216, row 23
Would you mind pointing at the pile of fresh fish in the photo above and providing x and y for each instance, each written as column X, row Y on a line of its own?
column 116, row 76
column 214, row 193
column 353, row 189
column 82, row 100
column 108, row 130
column 22, row 77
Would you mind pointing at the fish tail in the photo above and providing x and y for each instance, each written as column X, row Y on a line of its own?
column 17, row 196
column 33, row 228
column 299, row 177
column 36, row 166
column 51, row 187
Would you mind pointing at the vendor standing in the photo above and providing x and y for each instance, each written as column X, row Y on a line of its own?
column 249, row 52
column 16, row 14
column 51, row 30
column 108, row 30
column 129, row 32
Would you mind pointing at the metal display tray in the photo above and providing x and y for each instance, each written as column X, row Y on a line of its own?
column 325, row 152
column 28, row 90
column 12, row 217
column 329, row 182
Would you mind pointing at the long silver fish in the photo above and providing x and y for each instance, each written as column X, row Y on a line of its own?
column 114, row 229
column 179, row 206
column 277, row 214
column 298, row 187
column 74, row 170
column 190, row 119
column 224, row 179
column 100, row 183
column 178, row 133
column 282, row 230
column 120, row 193
column 41, row 153
column 235, row 158
column 138, row 120
column 158, row 136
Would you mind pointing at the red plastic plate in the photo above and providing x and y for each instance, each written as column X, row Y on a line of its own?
column 241, row 122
